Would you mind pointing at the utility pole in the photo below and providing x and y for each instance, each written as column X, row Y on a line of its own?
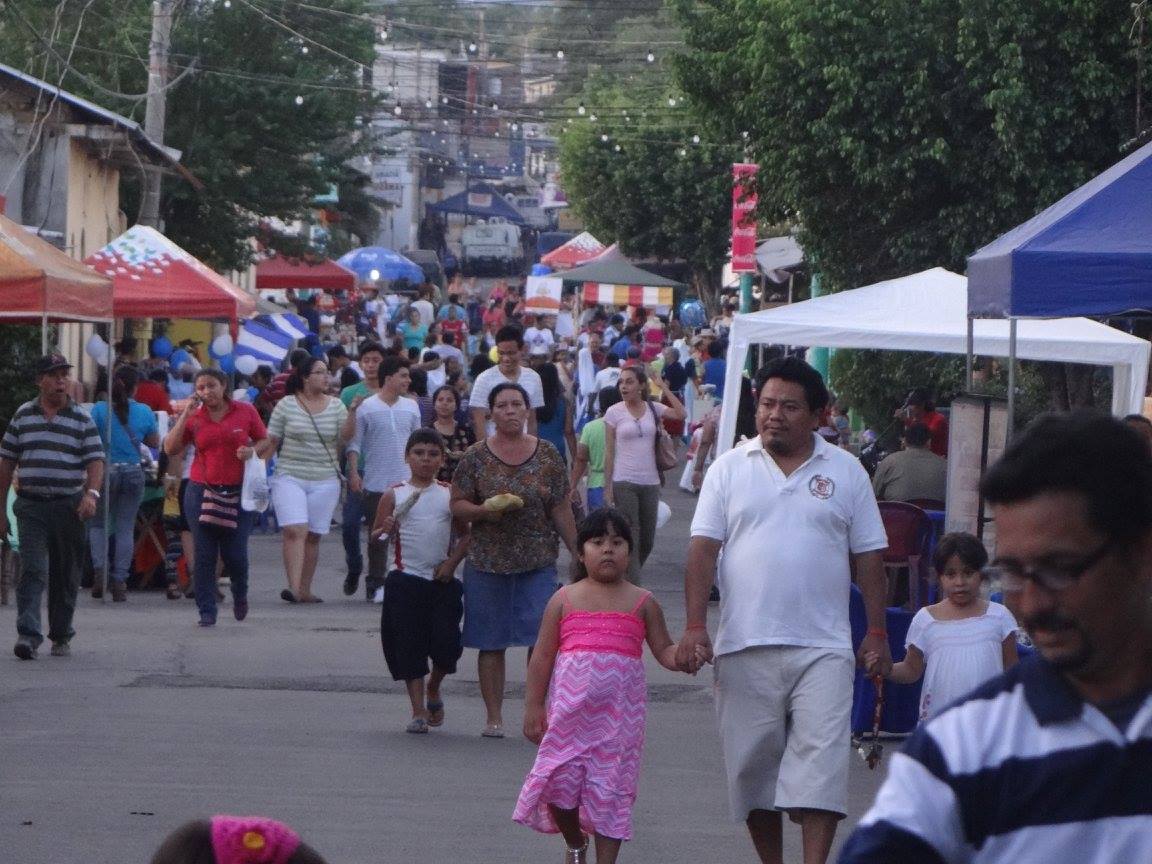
column 155, row 109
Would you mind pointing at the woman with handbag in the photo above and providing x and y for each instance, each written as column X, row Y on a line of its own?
column 133, row 424
column 637, row 451
column 226, row 434
column 305, row 429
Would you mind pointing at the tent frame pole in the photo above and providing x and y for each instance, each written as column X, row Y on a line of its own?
column 1011, row 377
column 968, row 358
column 106, row 492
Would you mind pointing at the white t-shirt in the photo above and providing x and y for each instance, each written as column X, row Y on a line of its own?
column 424, row 532
column 959, row 655
column 539, row 340
column 609, row 376
column 382, row 432
column 427, row 312
column 783, row 572
column 489, row 378
column 565, row 325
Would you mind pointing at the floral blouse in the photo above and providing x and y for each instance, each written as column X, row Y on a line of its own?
column 458, row 442
column 523, row 539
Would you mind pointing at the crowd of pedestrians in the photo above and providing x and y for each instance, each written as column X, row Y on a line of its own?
column 475, row 439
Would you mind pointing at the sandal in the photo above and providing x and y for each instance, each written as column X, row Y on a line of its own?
column 492, row 730
column 417, row 726
column 577, row 856
column 435, row 713
column 287, row 596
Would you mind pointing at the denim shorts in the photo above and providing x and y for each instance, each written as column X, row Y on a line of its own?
column 504, row 610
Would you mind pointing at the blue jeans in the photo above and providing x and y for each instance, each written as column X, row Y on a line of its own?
column 212, row 541
column 125, row 491
column 352, row 516
column 51, row 549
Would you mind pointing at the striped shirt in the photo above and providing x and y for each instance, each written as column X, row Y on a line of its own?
column 1021, row 770
column 51, row 455
column 304, row 454
column 382, row 432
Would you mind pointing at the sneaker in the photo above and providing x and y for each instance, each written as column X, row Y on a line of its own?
column 174, row 593
column 61, row 649
column 98, row 587
column 207, row 620
column 240, row 609
column 25, row 650
column 351, row 583
column 371, row 586
column 119, row 591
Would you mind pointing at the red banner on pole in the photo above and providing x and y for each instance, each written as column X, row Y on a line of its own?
column 743, row 223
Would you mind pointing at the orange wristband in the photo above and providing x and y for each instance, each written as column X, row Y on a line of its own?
column 876, row 631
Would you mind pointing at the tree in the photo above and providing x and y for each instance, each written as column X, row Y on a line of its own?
column 264, row 117
column 648, row 186
column 905, row 134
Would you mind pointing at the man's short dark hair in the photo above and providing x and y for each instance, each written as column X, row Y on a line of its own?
column 159, row 376
column 921, row 398
column 916, row 435
column 1084, row 453
column 796, row 371
column 390, row 366
column 608, row 397
column 510, row 333
column 448, row 338
column 1137, row 418
column 336, row 351
column 424, row 435
column 370, row 347
column 715, row 349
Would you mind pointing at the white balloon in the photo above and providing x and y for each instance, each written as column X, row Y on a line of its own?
column 663, row 514
column 222, row 345
column 97, row 349
column 246, row 364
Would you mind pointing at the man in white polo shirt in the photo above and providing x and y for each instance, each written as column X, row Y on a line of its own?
column 793, row 516
column 509, row 350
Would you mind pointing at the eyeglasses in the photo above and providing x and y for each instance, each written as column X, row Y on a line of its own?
column 1052, row 576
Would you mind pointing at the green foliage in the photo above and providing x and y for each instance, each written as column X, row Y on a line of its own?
column 17, row 386
column 234, row 117
column 655, row 202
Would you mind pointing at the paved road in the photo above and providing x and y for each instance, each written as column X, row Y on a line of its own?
column 153, row 721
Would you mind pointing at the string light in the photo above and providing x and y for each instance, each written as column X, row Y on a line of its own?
column 495, row 107
column 560, row 54
column 671, row 101
column 604, row 138
column 427, row 103
column 299, row 100
column 617, row 148
column 581, row 110
column 695, row 139
column 592, row 118
column 471, row 47
column 397, row 110
column 304, row 49
column 683, row 151
column 651, row 58
column 227, row 4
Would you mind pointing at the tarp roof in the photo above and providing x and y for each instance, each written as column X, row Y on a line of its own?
column 616, row 272
column 481, row 201
column 1090, row 253
column 280, row 273
column 581, row 248
column 155, row 278
column 36, row 279
column 928, row 311
column 778, row 254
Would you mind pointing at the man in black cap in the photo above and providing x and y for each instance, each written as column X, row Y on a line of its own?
column 57, row 449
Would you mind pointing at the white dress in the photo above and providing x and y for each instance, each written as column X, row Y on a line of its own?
column 959, row 655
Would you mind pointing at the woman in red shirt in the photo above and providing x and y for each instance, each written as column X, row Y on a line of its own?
column 225, row 434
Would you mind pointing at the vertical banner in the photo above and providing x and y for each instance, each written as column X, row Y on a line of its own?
column 743, row 223
column 542, row 295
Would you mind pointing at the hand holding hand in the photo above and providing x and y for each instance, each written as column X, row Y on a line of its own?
column 687, row 658
column 444, row 572
column 881, row 663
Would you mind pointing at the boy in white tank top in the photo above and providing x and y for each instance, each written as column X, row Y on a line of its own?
column 423, row 601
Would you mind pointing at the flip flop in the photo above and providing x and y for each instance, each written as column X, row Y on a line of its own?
column 287, row 596
column 492, row 730
column 436, row 713
column 417, row 726
column 312, row 599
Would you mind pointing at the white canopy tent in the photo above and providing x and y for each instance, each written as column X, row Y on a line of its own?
column 929, row 312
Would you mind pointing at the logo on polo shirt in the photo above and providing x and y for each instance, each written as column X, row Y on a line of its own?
column 821, row 487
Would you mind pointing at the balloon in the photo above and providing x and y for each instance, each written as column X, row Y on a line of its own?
column 179, row 358
column 221, row 346
column 663, row 514
column 161, row 347
column 246, row 364
column 227, row 363
column 97, row 349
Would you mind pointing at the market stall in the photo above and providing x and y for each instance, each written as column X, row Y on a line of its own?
column 618, row 282
column 579, row 250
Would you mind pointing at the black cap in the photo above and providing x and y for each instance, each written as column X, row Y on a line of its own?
column 50, row 363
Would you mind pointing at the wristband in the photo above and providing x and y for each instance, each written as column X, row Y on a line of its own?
column 876, row 631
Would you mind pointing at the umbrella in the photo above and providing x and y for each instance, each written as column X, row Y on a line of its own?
column 373, row 263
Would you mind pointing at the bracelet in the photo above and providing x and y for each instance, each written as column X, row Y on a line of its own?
column 876, row 631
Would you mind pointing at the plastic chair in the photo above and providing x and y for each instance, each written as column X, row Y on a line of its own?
column 910, row 532
column 927, row 503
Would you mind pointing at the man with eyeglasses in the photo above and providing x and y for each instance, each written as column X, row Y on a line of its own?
column 1051, row 761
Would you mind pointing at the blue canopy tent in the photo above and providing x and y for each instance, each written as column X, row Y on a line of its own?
column 1090, row 253
column 481, row 201
column 373, row 263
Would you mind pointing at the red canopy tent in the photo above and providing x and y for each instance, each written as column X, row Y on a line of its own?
column 282, row 273
column 39, row 283
column 155, row 278
column 579, row 250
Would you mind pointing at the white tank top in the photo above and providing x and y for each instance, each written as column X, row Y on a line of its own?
column 425, row 531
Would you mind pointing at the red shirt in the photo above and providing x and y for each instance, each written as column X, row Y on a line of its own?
column 937, row 425
column 153, row 395
column 216, row 443
column 456, row 328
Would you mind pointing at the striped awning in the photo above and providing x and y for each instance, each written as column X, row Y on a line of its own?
column 626, row 295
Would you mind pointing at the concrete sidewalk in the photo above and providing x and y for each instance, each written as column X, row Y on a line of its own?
column 291, row 714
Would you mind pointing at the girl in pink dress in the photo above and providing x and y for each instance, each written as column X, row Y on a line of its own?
column 591, row 735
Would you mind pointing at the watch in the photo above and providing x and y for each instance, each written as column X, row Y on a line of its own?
column 95, row 493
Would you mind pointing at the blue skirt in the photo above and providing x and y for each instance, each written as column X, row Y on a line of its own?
column 504, row 610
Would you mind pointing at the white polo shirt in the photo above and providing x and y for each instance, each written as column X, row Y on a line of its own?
column 783, row 572
column 486, row 382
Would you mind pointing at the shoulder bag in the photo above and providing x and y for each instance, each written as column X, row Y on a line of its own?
column 666, row 456
column 323, row 443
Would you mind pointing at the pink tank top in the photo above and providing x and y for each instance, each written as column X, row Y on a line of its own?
column 604, row 632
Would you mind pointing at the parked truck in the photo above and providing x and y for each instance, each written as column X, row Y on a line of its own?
column 491, row 249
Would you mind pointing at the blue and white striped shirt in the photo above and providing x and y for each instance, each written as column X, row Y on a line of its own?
column 1021, row 770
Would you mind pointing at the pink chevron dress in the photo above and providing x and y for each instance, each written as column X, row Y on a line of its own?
column 590, row 755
